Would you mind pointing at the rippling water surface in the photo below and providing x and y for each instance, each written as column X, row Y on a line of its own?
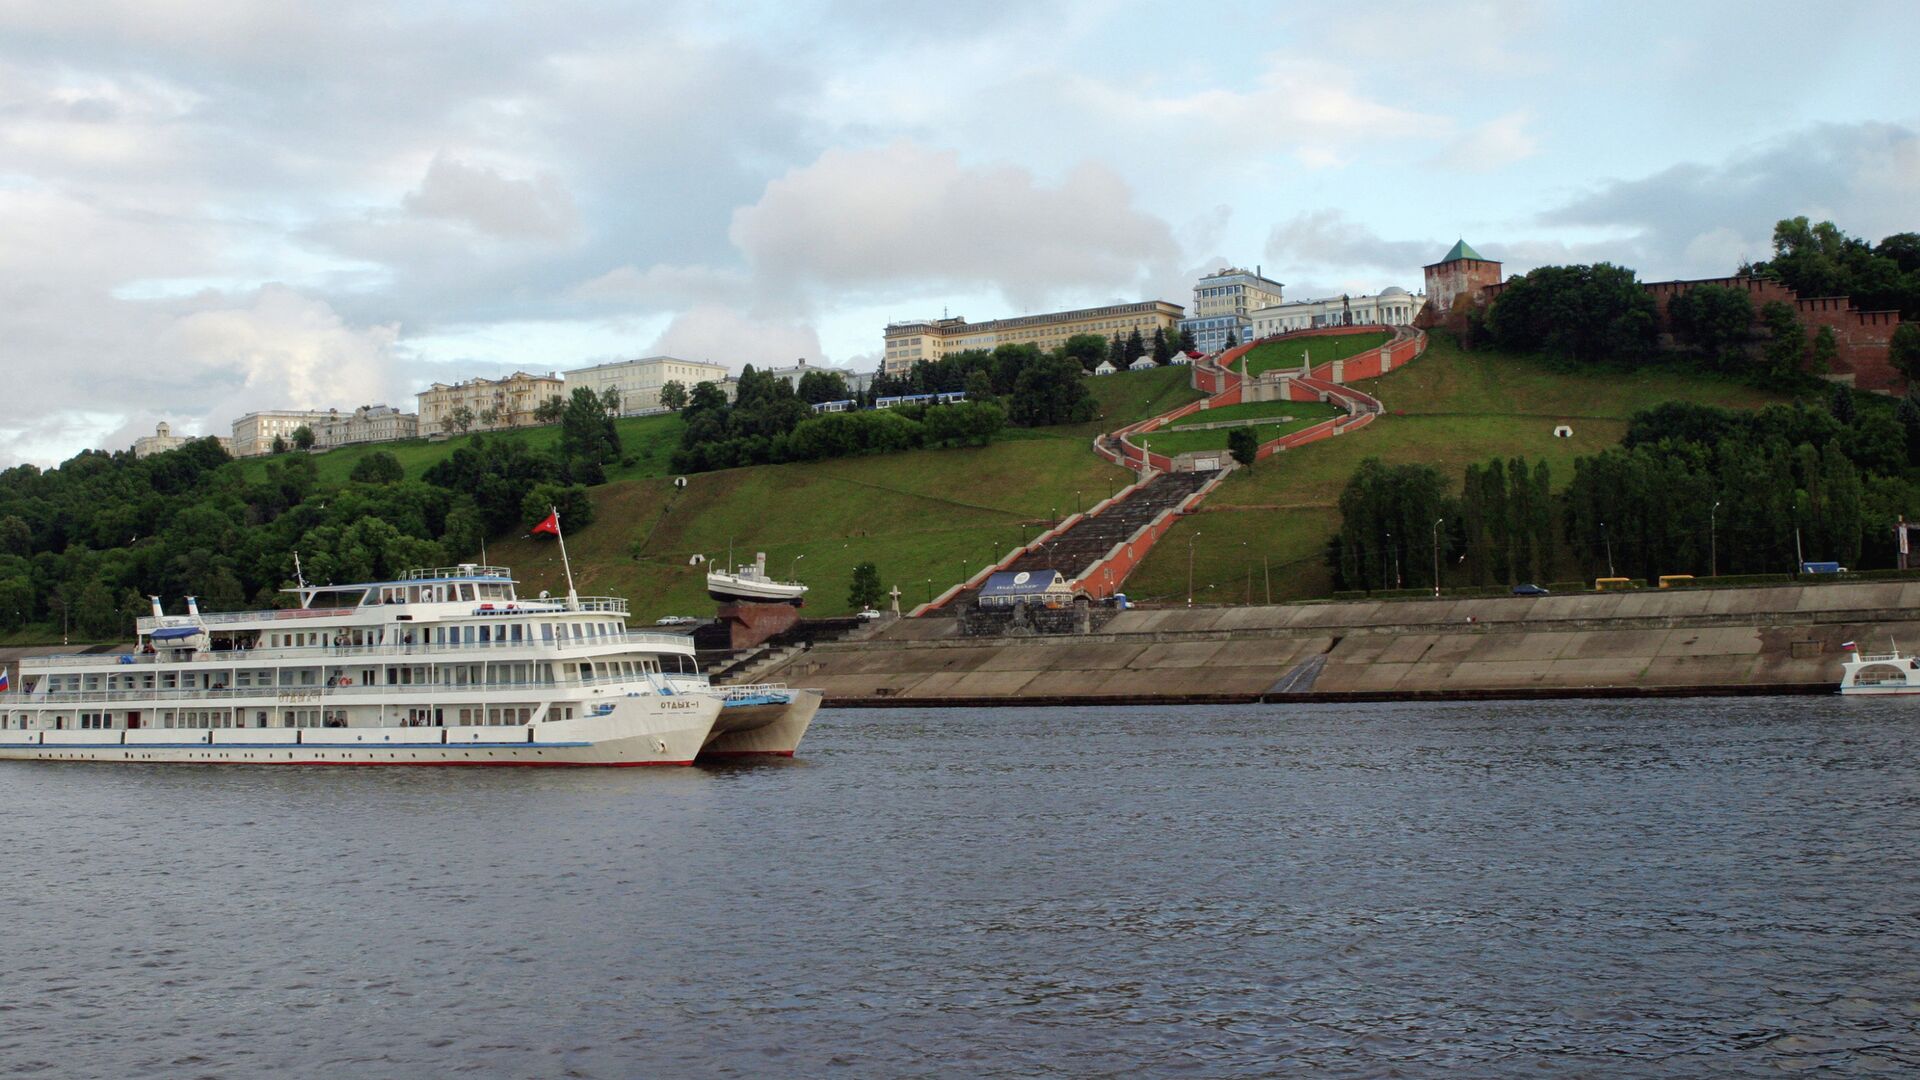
column 1578, row 888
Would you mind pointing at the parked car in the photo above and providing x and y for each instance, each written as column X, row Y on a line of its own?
column 675, row 620
column 1529, row 590
column 868, row 613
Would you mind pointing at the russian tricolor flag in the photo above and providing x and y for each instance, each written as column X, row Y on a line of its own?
column 1844, row 645
column 6, row 683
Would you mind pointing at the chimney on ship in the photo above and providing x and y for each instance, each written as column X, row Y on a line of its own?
column 157, row 611
column 193, row 605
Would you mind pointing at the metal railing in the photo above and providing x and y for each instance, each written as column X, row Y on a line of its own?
column 753, row 690
column 148, row 623
column 258, row 696
column 323, row 653
column 464, row 570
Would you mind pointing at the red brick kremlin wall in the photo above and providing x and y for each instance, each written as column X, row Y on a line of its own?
column 1862, row 336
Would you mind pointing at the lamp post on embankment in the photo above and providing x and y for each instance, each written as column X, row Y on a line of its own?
column 1436, row 557
column 1190, row 541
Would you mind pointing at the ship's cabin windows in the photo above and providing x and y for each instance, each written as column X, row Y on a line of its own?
column 546, row 632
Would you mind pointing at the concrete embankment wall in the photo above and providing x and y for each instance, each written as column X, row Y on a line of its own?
column 1774, row 640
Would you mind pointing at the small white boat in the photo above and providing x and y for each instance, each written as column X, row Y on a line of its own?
column 749, row 583
column 1879, row 673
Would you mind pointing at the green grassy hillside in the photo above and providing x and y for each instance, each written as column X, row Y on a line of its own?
column 1286, row 354
column 1450, row 408
column 926, row 519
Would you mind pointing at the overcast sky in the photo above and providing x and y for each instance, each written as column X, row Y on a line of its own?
column 213, row 206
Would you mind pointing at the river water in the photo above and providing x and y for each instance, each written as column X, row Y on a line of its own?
column 1700, row 887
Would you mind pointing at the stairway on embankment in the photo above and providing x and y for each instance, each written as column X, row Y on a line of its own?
column 1088, row 540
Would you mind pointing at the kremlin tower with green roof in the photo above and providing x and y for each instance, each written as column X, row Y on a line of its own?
column 1456, row 280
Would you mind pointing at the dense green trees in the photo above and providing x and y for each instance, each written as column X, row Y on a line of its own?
column 1715, row 322
column 1821, row 260
column 1586, row 313
column 1903, row 352
column 1387, row 516
column 1505, row 521
column 379, row 467
column 673, row 395
column 818, row 386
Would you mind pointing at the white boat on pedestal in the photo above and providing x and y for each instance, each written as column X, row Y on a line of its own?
column 1879, row 673
column 444, row 666
column 749, row 583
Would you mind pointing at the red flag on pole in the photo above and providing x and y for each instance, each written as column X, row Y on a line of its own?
column 550, row 526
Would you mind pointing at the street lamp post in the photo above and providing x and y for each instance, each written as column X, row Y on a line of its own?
column 1190, row 541
column 1713, row 541
column 1436, row 557
column 794, row 566
column 1608, row 541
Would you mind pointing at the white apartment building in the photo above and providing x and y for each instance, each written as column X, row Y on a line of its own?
column 1394, row 306
column 253, row 434
column 639, row 381
column 366, row 424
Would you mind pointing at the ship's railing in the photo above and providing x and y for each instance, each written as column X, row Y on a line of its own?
column 464, row 570
column 257, row 696
column 753, row 690
column 324, row 653
column 147, row 624
column 614, row 605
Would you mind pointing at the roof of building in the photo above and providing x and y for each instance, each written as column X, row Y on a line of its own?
column 1463, row 250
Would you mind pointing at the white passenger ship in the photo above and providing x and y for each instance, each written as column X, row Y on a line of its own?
column 443, row 667
column 1879, row 673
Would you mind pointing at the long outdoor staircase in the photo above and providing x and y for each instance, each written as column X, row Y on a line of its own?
column 1082, row 545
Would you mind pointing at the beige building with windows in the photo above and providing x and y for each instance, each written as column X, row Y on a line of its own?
column 909, row 343
column 366, row 424
column 253, row 434
column 639, row 381
column 494, row 403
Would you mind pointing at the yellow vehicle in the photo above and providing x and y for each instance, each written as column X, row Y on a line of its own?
column 1668, row 581
column 1611, row 584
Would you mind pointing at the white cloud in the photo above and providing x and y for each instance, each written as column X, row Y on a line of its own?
column 1490, row 147
column 1328, row 239
column 540, row 208
column 903, row 215
column 729, row 337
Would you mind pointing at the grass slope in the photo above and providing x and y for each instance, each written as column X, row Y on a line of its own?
column 1300, row 415
column 926, row 519
column 1449, row 409
column 1286, row 354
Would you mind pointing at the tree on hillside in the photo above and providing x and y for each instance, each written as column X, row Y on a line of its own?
column 818, row 386
column 1587, row 313
column 459, row 419
column 1903, row 352
column 1136, row 346
column 1233, row 339
column 1819, row 259
column 1386, row 525
column 673, row 395
column 1715, row 321
column 279, row 445
column 1162, row 352
column 551, row 410
column 1186, row 343
column 94, row 614
column 610, row 402
column 488, row 417
column 587, row 431
column 1050, row 390
column 1087, row 350
column 865, row 592
column 1825, row 351
column 1117, row 352
column 1788, row 344
column 303, row 437
column 575, row 506
column 1244, row 445
column 379, row 467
